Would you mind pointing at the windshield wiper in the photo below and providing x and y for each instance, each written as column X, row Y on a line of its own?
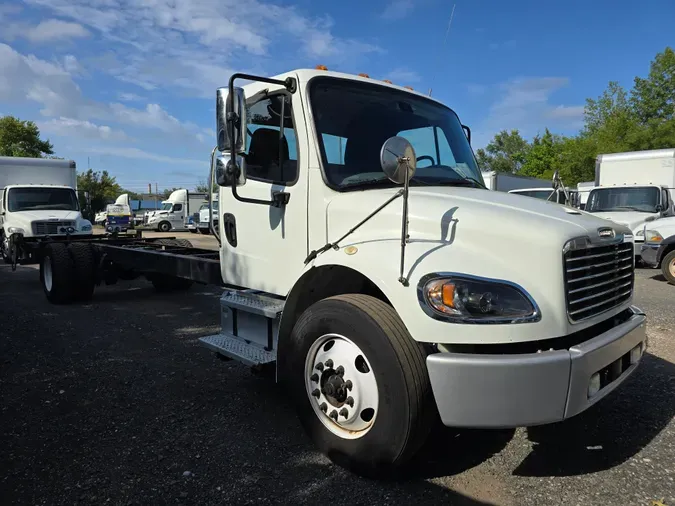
column 366, row 182
column 469, row 181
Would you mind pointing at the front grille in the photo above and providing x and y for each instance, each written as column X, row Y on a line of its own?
column 51, row 227
column 598, row 278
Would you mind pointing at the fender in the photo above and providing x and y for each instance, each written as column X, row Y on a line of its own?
column 666, row 245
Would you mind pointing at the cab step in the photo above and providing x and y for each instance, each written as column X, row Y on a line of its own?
column 254, row 302
column 233, row 347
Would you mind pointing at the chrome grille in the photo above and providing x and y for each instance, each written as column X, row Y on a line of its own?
column 51, row 227
column 598, row 278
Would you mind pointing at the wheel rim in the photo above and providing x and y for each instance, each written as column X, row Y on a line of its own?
column 341, row 386
column 671, row 267
column 47, row 273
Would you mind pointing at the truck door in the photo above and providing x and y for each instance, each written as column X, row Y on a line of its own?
column 264, row 247
column 176, row 216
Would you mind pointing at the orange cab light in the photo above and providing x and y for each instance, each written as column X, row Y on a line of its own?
column 387, row 81
column 408, row 88
column 363, row 75
column 448, row 296
column 321, row 67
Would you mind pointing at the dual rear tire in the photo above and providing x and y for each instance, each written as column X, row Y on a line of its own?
column 359, row 383
column 68, row 272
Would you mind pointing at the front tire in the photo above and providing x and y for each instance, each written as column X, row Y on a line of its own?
column 377, row 415
column 668, row 267
column 57, row 274
column 164, row 226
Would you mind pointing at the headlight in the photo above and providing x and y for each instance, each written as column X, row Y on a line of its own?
column 652, row 236
column 640, row 233
column 469, row 299
column 15, row 230
column 85, row 228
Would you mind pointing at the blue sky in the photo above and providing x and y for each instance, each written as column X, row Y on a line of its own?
column 131, row 83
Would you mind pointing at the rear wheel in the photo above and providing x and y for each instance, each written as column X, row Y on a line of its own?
column 84, row 270
column 57, row 274
column 360, row 384
column 668, row 267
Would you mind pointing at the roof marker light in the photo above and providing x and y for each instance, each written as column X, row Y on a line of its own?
column 363, row 75
column 387, row 81
column 408, row 88
column 321, row 67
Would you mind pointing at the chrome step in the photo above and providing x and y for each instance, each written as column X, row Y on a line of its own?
column 252, row 302
column 238, row 349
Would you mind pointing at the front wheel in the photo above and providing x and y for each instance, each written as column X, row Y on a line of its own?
column 360, row 383
column 668, row 267
column 164, row 226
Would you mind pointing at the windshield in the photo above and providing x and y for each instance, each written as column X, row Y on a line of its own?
column 354, row 119
column 544, row 195
column 42, row 199
column 203, row 207
column 166, row 206
column 638, row 198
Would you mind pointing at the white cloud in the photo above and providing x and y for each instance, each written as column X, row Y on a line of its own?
column 476, row 89
column 192, row 45
column 54, row 29
column 509, row 44
column 70, row 127
column 397, row 9
column 129, row 97
column 525, row 104
column 403, row 76
column 136, row 153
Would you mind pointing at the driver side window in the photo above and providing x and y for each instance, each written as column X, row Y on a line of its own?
column 177, row 207
column 430, row 142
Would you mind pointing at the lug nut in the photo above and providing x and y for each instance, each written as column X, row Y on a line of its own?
column 344, row 412
column 334, row 415
column 323, row 407
column 314, row 377
column 319, row 366
column 348, row 384
column 316, row 393
column 350, row 401
column 329, row 363
column 340, row 370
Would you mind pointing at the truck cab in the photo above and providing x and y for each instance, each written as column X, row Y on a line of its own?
column 390, row 292
column 631, row 205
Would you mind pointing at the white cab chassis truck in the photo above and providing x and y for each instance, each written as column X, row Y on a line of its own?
column 38, row 203
column 658, row 249
column 387, row 295
column 175, row 211
column 633, row 189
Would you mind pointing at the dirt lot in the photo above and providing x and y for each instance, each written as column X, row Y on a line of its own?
column 115, row 403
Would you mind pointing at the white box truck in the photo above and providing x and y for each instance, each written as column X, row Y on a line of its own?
column 38, row 202
column 175, row 211
column 505, row 182
column 388, row 295
column 634, row 188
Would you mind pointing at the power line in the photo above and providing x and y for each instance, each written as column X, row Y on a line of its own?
column 447, row 31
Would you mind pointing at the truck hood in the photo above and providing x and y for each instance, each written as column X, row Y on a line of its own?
column 483, row 217
column 632, row 219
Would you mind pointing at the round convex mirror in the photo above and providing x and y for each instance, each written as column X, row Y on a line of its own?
column 397, row 158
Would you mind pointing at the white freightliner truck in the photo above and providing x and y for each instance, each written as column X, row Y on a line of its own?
column 633, row 189
column 385, row 295
column 175, row 211
column 38, row 201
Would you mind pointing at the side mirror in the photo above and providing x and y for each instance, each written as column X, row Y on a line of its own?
column 658, row 208
column 467, row 132
column 231, row 120
column 225, row 172
column 398, row 160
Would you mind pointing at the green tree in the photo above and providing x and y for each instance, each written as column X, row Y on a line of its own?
column 653, row 98
column 102, row 188
column 505, row 153
column 202, row 187
column 22, row 138
column 543, row 156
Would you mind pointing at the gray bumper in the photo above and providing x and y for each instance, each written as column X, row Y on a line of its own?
column 499, row 391
column 649, row 254
column 637, row 247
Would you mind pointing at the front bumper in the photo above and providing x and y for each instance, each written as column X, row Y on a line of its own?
column 650, row 254
column 519, row 390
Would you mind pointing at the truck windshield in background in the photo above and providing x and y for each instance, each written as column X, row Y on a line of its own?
column 42, row 199
column 166, row 206
column 544, row 195
column 354, row 119
column 640, row 198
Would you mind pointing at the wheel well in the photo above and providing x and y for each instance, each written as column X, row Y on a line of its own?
column 319, row 283
column 669, row 247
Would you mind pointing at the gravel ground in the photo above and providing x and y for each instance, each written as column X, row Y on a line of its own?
column 115, row 403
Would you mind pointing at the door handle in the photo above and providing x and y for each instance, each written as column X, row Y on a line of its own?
column 230, row 229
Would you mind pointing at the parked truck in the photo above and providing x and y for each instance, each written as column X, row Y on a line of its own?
column 505, row 182
column 208, row 219
column 633, row 189
column 175, row 211
column 387, row 295
column 658, row 249
column 38, row 201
